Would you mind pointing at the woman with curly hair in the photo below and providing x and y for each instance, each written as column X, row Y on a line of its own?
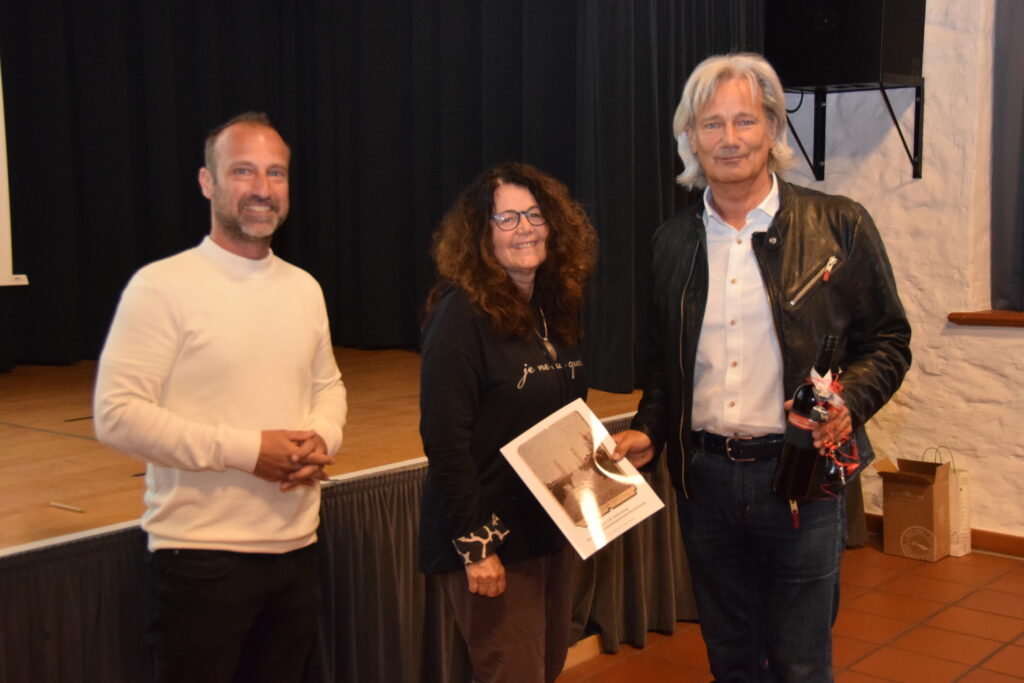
column 500, row 353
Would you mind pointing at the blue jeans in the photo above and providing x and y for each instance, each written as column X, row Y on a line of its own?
column 767, row 594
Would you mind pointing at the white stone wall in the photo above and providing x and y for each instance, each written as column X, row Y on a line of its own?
column 965, row 387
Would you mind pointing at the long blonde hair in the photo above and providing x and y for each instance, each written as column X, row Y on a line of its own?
column 701, row 87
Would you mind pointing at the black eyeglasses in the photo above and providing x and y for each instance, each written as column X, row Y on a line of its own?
column 509, row 220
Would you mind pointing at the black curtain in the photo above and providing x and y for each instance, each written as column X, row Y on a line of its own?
column 390, row 106
column 1008, row 158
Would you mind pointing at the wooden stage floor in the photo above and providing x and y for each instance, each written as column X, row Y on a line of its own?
column 49, row 453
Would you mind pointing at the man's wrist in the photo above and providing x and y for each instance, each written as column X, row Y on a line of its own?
column 242, row 448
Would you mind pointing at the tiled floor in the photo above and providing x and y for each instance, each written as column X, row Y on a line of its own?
column 959, row 619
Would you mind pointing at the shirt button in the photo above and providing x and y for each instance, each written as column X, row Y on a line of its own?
column 731, row 404
column 732, row 322
column 739, row 241
column 732, row 281
column 734, row 364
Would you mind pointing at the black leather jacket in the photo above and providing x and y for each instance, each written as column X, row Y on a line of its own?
column 826, row 272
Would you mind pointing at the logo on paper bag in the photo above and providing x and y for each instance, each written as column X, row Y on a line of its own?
column 917, row 543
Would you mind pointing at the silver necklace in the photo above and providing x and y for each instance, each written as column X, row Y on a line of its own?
column 548, row 346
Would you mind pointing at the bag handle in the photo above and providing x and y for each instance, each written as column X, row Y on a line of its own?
column 934, row 454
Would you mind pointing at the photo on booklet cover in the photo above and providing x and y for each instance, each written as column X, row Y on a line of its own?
column 566, row 462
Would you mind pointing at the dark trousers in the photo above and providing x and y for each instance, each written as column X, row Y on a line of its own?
column 521, row 636
column 767, row 594
column 216, row 616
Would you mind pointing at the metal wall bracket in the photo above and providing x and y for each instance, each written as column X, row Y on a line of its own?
column 817, row 163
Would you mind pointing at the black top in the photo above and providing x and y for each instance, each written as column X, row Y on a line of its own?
column 478, row 391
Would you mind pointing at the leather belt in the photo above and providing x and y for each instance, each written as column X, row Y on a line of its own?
column 737, row 448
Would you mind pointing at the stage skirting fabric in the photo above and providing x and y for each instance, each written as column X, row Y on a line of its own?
column 72, row 611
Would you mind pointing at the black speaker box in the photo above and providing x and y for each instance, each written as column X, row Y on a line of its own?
column 844, row 43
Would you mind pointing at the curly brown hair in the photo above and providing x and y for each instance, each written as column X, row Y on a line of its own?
column 463, row 252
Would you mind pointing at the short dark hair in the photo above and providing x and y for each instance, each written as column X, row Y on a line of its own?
column 257, row 118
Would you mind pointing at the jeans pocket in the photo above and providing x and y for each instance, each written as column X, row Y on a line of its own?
column 696, row 460
column 197, row 565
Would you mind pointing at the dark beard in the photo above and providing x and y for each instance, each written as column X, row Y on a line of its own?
column 232, row 225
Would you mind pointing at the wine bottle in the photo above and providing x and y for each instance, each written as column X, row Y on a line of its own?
column 800, row 467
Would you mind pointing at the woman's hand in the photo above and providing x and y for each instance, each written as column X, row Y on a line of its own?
column 486, row 577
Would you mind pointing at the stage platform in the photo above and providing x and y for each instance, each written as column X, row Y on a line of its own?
column 71, row 582
column 49, row 453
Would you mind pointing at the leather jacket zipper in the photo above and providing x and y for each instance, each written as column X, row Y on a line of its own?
column 682, row 370
column 823, row 274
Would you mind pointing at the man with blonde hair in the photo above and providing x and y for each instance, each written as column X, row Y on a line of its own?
column 745, row 286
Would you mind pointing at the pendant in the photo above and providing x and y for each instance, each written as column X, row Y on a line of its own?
column 550, row 348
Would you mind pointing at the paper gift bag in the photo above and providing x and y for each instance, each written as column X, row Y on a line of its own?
column 959, row 501
column 915, row 508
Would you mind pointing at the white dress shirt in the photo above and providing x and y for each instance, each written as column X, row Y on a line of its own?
column 738, row 374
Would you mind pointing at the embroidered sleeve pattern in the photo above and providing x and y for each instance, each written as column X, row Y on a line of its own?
column 481, row 543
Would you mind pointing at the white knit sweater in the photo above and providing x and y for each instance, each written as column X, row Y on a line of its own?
column 206, row 350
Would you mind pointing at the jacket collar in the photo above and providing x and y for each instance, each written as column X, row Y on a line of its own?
column 775, row 235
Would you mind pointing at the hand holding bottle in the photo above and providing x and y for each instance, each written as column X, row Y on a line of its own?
column 802, row 466
column 834, row 432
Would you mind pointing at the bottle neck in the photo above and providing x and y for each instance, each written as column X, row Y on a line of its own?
column 826, row 354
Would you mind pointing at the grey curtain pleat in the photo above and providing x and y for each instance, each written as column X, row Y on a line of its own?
column 382, row 620
column 72, row 613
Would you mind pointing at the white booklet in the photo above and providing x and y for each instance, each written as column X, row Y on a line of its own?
column 565, row 460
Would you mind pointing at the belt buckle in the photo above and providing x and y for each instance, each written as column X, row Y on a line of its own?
column 728, row 449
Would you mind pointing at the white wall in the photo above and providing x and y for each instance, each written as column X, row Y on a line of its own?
column 966, row 385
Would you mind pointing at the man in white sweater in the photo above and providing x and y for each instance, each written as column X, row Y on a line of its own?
column 218, row 371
